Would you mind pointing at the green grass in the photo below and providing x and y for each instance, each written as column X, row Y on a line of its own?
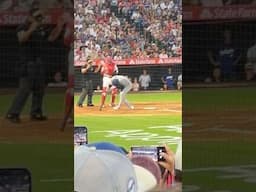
column 214, row 180
column 219, row 98
column 170, row 97
column 53, row 104
column 45, row 162
column 216, row 156
column 55, row 161
column 221, row 153
column 235, row 161
column 130, row 130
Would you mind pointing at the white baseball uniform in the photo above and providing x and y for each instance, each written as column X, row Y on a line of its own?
column 125, row 85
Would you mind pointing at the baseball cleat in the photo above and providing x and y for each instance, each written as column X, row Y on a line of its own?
column 102, row 106
column 13, row 118
column 38, row 117
column 116, row 107
column 112, row 105
column 131, row 107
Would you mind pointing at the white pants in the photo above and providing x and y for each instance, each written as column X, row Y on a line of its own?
column 106, row 82
column 122, row 96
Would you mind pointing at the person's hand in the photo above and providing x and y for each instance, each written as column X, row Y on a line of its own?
column 169, row 157
column 168, row 164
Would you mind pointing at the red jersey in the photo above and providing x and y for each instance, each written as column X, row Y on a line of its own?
column 109, row 67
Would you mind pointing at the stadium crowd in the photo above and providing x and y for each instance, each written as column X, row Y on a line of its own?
column 129, row 28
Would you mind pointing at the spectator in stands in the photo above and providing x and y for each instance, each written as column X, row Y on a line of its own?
column 216, row 68
column 168, row 80
column 129, row 25
column 135, row 85
column 250, row 67
column 225, row 60
column 179, row 82
column 144, row 80
column 163, row 54
column 58, row 80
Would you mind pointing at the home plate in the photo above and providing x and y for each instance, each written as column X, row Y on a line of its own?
column 149, row 108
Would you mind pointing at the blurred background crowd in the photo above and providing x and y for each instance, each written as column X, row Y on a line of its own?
column 129, row 28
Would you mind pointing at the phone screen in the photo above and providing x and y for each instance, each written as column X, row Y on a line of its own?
column 152, row 152
column 15, row 180
column 80, row 135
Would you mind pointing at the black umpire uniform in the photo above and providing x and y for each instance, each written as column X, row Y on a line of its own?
column 87, row 84
column 32, row 79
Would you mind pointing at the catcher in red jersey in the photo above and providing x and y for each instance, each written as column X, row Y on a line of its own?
column 108, row 69
column 66, row 23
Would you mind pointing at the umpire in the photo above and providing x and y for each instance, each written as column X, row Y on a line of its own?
column 88, row 72
column 32, row 37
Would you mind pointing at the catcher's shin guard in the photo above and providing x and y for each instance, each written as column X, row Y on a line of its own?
column 69, row 105
column 103, row 97
column 113, row 94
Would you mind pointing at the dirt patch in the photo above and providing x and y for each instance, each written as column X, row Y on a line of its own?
column 141, row 109
column 35, row 132
column 224, row 125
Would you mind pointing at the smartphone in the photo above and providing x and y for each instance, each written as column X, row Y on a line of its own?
column 15, row 180
column 80, row 135
column 151, row 151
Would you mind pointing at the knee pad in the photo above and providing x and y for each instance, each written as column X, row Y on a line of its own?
column 69, row 99
column 104, row 91
column 114, row 91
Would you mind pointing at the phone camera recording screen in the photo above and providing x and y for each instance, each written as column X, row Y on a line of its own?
column 145, row 151
column 80, row 135
column 15, row 180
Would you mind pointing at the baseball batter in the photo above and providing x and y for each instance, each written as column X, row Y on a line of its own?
column 108, row 69
column 124, row 85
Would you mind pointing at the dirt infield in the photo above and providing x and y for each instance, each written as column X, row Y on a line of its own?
column 48, row 131
column 141, row 109
column 224, row 125
column 35, row 132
